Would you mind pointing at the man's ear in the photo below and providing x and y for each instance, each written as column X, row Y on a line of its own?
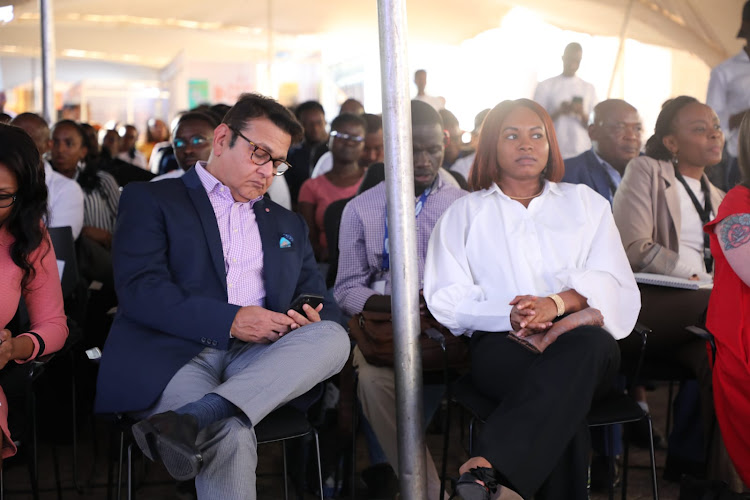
column 222, row 139
column 446, row 138
column 594, row 132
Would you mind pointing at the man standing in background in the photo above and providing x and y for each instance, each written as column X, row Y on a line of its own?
column 569, row 100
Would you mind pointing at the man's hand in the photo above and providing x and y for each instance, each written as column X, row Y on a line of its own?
column 531, row 314
column 584, row 317
column 311, row 315
column 261, row 326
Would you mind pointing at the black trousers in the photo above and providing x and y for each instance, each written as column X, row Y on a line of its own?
column 537, row 438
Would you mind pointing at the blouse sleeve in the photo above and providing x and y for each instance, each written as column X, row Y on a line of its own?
column 633, row 210
column 109, row 184
column 606, row 279
column 308, row 193
column 453, row 297
column 44, row 301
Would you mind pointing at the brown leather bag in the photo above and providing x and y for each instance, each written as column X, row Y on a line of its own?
column 373, row 332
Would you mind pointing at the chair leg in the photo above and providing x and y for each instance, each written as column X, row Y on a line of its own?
column 446, row 441
column 670, row 396
column 654, row 485
column 119, row 465
column 626, row 448
column 131, row 478
column 320, row 470
column 286, row 485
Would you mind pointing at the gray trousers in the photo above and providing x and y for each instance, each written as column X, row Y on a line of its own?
column 257, row 378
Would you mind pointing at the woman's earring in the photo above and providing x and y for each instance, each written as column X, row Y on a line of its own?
column 675, row 161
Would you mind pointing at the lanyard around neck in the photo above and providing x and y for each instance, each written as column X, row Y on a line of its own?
column 386, row 263
column 704, row 213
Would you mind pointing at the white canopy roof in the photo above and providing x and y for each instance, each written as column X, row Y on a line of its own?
column 152, row 33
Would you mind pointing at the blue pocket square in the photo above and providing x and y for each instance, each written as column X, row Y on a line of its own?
column 286, row 241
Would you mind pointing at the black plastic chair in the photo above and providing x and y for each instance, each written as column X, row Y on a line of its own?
column 614, row 408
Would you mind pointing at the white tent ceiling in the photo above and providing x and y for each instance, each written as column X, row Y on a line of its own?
column 153, row 32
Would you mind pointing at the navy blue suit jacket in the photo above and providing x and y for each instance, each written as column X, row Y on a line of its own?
column 586, row 169
column 171, row 285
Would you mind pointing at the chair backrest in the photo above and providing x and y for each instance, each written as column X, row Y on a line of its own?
column 65, row 250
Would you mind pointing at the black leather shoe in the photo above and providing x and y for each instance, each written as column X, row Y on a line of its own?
column 467, row 487
column 600, row 474
column 170, row 437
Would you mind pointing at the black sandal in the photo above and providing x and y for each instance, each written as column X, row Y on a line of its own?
column 467, row 487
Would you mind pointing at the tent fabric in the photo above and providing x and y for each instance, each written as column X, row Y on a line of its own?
column 153, row 33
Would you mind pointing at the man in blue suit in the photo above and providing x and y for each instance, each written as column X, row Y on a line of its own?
column 615, row 131
column 205, row 344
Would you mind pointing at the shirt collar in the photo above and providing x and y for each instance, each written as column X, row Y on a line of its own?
column 549, row 187
column 213, row 185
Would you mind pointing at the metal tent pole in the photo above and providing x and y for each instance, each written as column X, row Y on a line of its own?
column 48, row 60
column 399, row 176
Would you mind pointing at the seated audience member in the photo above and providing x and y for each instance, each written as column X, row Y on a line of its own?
column 352, row 107
column 504, row 265
column 192, row 138
column 373, row 151
column 454, row 144
column 156, row 132
column 346, row 145
column 615, row 133
column 205, row 285
column 128, row 152
column 64, row 196
column 727, row 312
column 122, row 171
column 463, row 165
column 660, row 208
column 304, row 155
column 27, row 264
column 101, row 192
column 363, row 281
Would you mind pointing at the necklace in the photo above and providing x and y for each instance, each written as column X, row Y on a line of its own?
column 526, row 197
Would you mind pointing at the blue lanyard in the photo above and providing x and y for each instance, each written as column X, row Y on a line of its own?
column 386, row 265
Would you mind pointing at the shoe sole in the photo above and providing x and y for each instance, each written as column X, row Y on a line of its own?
column 182, row 463
column 145, row 437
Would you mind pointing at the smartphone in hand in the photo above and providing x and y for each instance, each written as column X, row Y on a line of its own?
column 306, row 298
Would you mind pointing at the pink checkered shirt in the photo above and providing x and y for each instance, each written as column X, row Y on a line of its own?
column 240, row 241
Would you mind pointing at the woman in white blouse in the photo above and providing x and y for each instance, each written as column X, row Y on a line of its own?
column 535, row 273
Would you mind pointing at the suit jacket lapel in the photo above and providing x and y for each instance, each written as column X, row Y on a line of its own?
column 666, row 171
column 208, row 221
column 598, row 174
column 269, row 241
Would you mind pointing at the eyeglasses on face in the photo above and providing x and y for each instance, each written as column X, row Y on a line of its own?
column 7, row 200
column 347, row 137
column 196, row 140
column 260, row 156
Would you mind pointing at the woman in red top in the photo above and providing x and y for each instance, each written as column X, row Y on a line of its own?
column 27, row 263
column 728, row 318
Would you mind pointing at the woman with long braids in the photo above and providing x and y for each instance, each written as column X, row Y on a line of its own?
column 27, row 264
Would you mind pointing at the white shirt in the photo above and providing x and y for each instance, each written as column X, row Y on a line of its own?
column 436, row 102
column 691, row 229
column 278, row 191
column 571, row 134
column 323, row 166
column 138, row 160
column 487, row 248
column 463, row 165
column 156, row 156
column 729, row 93
column 64, row 201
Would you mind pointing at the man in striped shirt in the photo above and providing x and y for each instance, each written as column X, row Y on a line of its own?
column 363, row 281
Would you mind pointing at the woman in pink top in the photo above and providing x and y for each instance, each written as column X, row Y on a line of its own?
column 27, row 263
column 346, row 144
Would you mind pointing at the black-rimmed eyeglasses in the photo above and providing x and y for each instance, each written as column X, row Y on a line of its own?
column 260, row 156
column 7, row 200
